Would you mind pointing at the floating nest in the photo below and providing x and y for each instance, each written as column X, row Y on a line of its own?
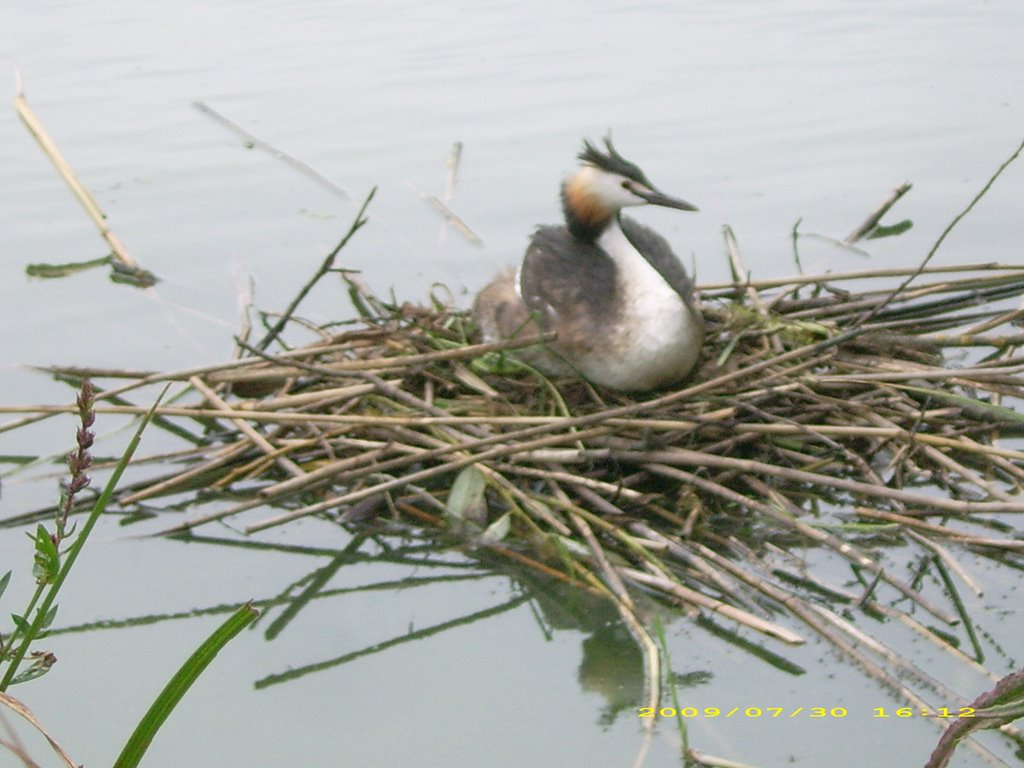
column 813, row 403
column 853, row 414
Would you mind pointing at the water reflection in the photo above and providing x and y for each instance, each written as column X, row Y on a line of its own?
column 611, row 665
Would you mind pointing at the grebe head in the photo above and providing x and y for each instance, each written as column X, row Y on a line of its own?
column 605, row 184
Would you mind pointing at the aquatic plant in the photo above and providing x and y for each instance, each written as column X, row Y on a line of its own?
column 56, row 551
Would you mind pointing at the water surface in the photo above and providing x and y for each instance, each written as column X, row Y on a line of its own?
column 762, row 114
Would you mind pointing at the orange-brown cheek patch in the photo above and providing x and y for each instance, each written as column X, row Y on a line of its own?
column 585, row 207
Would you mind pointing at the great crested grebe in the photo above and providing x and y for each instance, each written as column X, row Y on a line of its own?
column 618, row 298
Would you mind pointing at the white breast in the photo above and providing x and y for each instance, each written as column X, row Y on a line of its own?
column 656, row 340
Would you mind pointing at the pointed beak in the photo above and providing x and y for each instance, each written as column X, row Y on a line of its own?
column 654, row 197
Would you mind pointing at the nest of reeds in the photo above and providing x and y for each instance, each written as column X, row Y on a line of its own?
column 835, row 414
column 800, row 412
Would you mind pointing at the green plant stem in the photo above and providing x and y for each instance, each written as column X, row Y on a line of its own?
column 938, row 243
column 684, row 738
column 327, row 266
column 6, row 648
column 178, row 685
column 75, row 549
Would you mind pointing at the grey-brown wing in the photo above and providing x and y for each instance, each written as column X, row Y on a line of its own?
column 659, row 254
column 568, row 284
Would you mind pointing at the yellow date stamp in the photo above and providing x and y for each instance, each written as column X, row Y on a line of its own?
column 710, row 712
column 834, row 713
column 940, row 712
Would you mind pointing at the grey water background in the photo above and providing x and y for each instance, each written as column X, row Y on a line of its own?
column 762, row 114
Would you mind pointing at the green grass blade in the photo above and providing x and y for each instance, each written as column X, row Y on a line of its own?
column 684, row 736
column 37, row 620
column 976, row 409
column 175, row 689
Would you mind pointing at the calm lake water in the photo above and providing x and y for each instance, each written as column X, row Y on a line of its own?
column 762, row 114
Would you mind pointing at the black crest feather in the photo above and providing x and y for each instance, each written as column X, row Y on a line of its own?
column 611, row 161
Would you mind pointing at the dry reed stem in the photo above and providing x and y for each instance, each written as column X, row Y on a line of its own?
column 741, row 277
column 688, row 458
column 706, row 561
column 611, row 577
column 43, row 412
column 939, row 530
column 687, row 595
column 224, row 457
column 876, row 216
column 254, row 141
column 254, row 437
column 411, row 362
column 847, row 551
column 951, row 562
column 24, row 712
column 609, row 489
column 424, row 474
column 867, row 274
column 323, row 473
column 538, row 425
column 84, row 197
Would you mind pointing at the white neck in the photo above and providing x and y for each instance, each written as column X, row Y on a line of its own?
column 625, row 255
column 657, row 339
